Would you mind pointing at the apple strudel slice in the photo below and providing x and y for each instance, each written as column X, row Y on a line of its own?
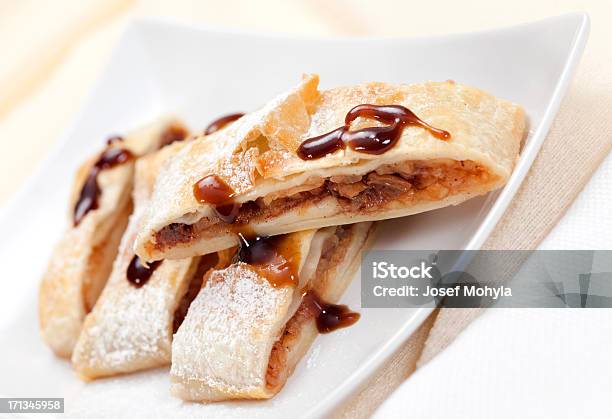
column 249, row 326
column 131, row 326
column 310, row 159
column 101, row 204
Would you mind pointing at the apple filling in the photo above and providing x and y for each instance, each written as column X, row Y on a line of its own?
column 408, row 183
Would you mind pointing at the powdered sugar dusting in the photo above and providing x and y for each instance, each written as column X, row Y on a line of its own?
column 226, row 338
column 224, row 153
column 131, row 328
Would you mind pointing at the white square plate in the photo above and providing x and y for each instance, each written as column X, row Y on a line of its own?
column 198, row 74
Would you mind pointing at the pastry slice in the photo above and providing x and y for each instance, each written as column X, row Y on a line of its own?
column 310, row 159
column 130, row 328
column 100, row 206
column 248, row 328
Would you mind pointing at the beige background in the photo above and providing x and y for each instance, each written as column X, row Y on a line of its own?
column 51, row 52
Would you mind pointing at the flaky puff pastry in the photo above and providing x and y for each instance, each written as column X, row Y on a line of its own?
column 256, row 156
column 243, row 337
column 82, row 260
column 130, row 328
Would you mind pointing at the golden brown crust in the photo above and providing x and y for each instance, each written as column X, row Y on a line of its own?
column 131, row 328
column 82, row 260
column 66, row 290
column 256, row 156
column 242, row 337
column 333, row 275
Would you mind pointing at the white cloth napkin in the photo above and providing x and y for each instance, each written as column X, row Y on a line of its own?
column 527, row 363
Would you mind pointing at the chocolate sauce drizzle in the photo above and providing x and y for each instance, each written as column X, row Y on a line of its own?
column 330, row 317
column 90, row 193
column 373, row 140
column 273, row 257
column 217, row 124
column 138, row 274
column 172, row 134
column 213, row 190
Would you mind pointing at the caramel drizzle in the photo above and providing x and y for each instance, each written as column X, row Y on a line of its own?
column 275, row 258
column 219, row 123
column 373, row 140
column 213, row 190
column 139, row 274
column 90, row 192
